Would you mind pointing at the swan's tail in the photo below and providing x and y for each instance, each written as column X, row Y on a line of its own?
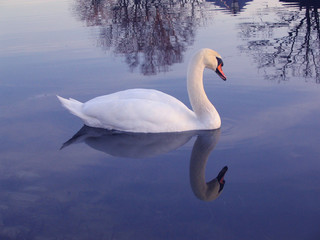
column 74, row 106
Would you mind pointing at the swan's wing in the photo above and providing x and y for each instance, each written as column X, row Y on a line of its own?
column 139, row 111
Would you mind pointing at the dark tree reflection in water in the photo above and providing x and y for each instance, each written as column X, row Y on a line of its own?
column 232, row 6
column 289, row 44
column 151, row 35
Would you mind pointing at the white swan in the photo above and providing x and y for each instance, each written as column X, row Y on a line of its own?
column 147, row 110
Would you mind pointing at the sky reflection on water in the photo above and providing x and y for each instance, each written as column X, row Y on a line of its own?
column 269, row 108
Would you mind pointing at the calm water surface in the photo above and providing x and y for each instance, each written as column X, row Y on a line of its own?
column 106, row 185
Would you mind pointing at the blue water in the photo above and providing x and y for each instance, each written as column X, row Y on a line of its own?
column 106, row 185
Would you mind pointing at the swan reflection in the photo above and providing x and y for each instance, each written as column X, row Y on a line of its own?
column 129, row 145
column 202, row 148
column 143, row 145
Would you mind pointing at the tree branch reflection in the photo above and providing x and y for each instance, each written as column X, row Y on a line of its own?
column 295, row 54
column 151, row 35
column 232, row 6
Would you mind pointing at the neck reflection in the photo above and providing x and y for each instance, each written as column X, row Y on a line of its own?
column 146, row 145
column 203, row 146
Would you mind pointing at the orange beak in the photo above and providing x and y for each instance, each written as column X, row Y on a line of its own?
column 220, row 72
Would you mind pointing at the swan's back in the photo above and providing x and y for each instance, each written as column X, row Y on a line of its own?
column 137, row 93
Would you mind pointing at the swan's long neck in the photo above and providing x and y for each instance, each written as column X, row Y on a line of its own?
column 200, row 103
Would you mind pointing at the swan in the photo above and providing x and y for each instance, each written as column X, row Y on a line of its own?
column 152, row 111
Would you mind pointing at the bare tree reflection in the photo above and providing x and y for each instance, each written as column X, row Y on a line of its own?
column 151, row 35
column 233, row 6
column 296, row 54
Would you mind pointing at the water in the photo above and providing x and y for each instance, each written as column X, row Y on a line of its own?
column 109, row 186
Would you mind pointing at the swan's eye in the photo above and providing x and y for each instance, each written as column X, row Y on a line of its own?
column 220, row 62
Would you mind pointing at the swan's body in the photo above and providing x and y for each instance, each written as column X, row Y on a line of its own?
column 147, row 110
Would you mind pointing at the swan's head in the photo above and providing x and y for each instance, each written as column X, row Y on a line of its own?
column 213, row 60
column 220, row 178
column 207, row 191
column 215, row 187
